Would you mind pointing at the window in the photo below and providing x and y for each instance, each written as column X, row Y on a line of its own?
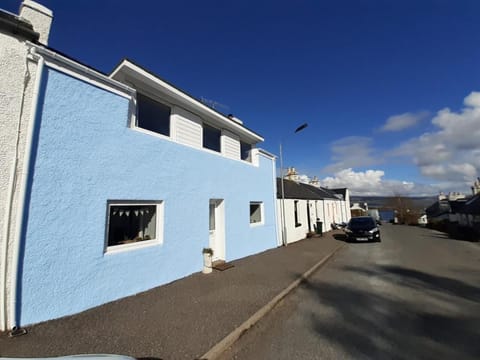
column 211, row 138
column 152, row 115
column 245, row 151
column 212, row 216
column 256, row 209
column 295, row 204
column 133, row 223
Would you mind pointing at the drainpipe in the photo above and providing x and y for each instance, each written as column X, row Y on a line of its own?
column 12, row 315
column 275, row 210
column 9, row 207
column 324, row 216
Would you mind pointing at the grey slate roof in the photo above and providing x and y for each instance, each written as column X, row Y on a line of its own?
column 294, row 190
column 457, row 205
column 341, row 191
column 472, row 206
column 438, row 208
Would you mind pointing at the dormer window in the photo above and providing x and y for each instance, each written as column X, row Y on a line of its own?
column 211, row 138
column 153, row 115
column 245, row 151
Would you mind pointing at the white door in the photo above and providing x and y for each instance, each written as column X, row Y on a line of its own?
column 216, row 229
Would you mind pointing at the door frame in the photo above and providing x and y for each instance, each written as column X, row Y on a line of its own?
column 218, row 243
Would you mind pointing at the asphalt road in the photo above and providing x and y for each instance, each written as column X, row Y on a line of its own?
column 415, row 295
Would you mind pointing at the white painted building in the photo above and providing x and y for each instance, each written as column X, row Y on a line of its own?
column 304, row 205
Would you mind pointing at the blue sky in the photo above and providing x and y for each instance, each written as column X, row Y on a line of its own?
column 369, row 77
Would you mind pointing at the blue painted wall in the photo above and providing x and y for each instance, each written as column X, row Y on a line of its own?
column 86, row 155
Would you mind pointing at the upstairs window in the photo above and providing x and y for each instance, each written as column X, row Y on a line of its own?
column 256, row 209
column 152, row 115
column 245, row 151
column 211, row 138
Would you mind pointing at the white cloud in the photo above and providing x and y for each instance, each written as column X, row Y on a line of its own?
column 372, row 183
column 352, row 151
column 450, row 153
column 403, row 121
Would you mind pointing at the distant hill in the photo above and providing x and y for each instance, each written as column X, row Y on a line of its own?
column 385, row 202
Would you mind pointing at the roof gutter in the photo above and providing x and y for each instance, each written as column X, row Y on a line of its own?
column 82, row 69
column 17, row 26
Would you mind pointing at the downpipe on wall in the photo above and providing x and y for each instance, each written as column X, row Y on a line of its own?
column 9, row 205
column 12, row 321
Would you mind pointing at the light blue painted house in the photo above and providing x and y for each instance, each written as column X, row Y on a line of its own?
column 114, row 184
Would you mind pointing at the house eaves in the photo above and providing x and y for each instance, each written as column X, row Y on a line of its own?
column 129, row 70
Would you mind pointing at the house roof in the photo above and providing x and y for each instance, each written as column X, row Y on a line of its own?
column 438, row 208
column 472, row 206
column 340, row 191
column 457, row 205
column 324, row 193
column 18, row 26
column 294, row 190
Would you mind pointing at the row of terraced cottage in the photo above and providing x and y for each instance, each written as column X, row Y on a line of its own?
column 457, row 214
column 114, row 184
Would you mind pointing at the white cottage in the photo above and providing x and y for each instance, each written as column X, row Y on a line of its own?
column 301, row 208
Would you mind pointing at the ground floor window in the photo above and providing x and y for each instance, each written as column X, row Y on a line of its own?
column 133, row 223
column 295, row 209
column 256, row 210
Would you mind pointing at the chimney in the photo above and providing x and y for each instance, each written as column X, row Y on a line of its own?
column 39, row 16
column 476, row 187
column 315, row 182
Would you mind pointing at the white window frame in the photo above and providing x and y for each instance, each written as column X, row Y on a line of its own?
column 262, row 213
column 249, row 159
column 134, row 115
column 221, row 150
column 159, row 212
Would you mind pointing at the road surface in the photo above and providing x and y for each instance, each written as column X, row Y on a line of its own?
column 415, row 295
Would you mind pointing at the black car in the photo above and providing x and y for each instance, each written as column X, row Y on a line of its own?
column 362, row 228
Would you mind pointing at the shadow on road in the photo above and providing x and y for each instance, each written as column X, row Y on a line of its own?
column 445, row 324
column 340, row 237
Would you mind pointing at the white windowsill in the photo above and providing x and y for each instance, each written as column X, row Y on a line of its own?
column 257, row 224
column 168, row 138
column 127, row 247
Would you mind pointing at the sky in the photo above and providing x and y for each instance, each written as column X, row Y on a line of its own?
column 390, row 89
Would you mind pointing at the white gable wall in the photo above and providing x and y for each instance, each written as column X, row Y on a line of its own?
column 294, row 233
column 14, row 125
column 320, row 214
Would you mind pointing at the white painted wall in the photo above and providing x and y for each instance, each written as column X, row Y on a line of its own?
column 13, row 70
column 293, row 233
column 327, row 211
column 17, row 78
column 348, row 214
column 319, row 206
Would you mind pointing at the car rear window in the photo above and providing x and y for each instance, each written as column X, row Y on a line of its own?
column 362, row 222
